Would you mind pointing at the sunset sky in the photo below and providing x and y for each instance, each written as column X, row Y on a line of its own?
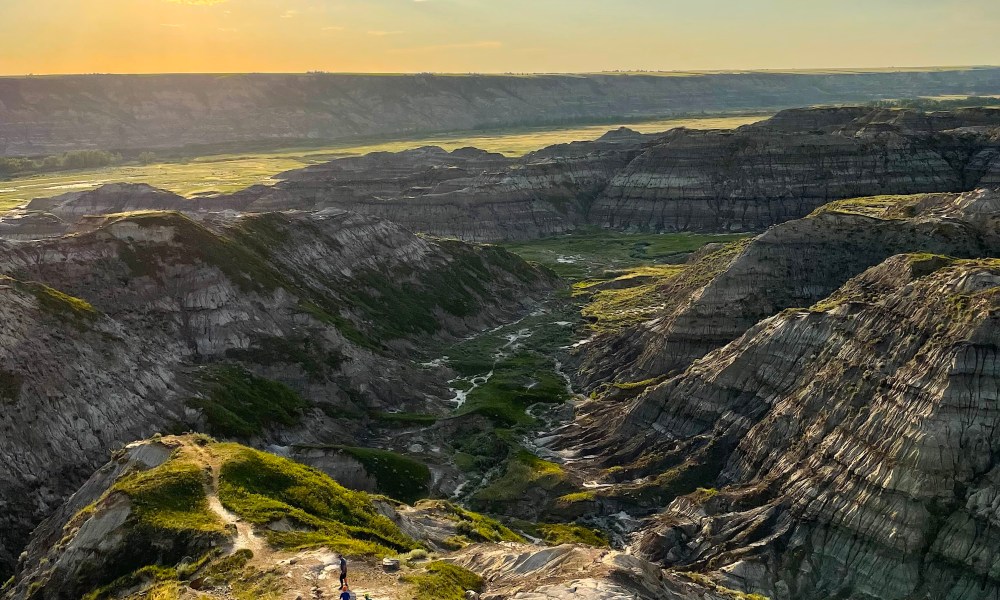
column 145, row 36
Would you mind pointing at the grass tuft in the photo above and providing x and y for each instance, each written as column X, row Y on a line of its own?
column 444, row 581
column 265, row 489
column 569, row 533
column 171, row 497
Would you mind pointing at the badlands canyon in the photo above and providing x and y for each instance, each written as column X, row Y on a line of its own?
column 696, row 364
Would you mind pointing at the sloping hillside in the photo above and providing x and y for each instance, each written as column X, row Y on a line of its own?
column 45, row 115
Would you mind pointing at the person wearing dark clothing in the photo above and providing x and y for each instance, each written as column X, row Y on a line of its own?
column 343, row 572
column 345, row 594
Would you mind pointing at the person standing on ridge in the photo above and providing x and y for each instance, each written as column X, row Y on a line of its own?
column 343, row 571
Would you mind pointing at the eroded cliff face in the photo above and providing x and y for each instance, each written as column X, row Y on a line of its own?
column 725, row 292
column 136, row 325
column 852, row 444
column 467, row 193
column 742, row 180
column 45, row 115
column 708, row 181
column 783, row 168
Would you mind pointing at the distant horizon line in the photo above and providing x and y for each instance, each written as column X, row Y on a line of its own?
column 810, row 70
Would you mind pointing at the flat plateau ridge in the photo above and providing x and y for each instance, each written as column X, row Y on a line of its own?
column 47, row 115
column 683, row 180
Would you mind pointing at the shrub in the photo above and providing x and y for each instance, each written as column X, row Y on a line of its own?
column 560, row 533
column 397, row 476
column 240, row 404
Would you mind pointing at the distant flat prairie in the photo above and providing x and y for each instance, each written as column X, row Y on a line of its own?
column 234, row 171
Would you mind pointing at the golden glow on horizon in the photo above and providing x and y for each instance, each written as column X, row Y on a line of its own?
column 148, row 36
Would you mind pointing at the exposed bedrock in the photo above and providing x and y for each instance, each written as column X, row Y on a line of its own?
column 45, row 115
column 725, row 292
column 683, row 180
column 853, row 444
column 781, row 169
column 137, row 325
column 118, row 537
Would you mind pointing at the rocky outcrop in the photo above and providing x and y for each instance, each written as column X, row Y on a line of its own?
column 111, row 198
column 46, row 115
column 783, row 168
column 723, row 293
column 172, row 516
column 743, row 180
column 138, row 325
column 576, row 573
column 852, row 444
column 467, row 193
column 683, row 180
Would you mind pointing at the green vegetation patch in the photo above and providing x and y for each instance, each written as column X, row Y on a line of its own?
column 570, row 533
column 52, row 301
column 161, row 583
column 524, row 472
column 477, row 450
column 576, row 497
column 240, row 404
column 629, row 299
column 706, row 268
column 641, row 294
column 471, row 525
column 171, row 497
column 444, row 581
column 193, row 243
column 478, row 355
column 265, row 489
column 876, row 207
column 659, row 488
column 401, row 304
column 170, row 518
column 397, row 476
column 589, row 253
column 708, row 582
column 518, row 382
column 316, row 362
column 10, row 386
column 263, row 233
column 347, row 328
column 234, row 575
column 76, row 159
column 231, row 574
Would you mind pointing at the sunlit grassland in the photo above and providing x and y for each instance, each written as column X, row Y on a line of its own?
column 223, row 173
column 589, row 253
